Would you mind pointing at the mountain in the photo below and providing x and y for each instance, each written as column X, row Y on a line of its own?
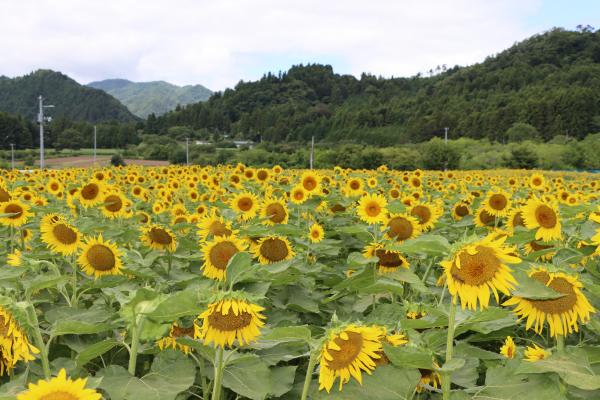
column 145, row 98
column 71, row 100
column 550, row 81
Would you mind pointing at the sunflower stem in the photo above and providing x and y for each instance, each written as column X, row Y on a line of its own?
column 447, row 377
column 39, row 340
column 312, row 361
column 135, row 342
column 560, row 343
column 74, row 284
column 216, row 394
column 21, row 231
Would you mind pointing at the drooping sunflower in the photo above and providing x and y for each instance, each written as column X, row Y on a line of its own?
column 401, row 227
column 316, row 233
column 245, row 204
column 508, row 348
column 389, row 260
column 272, row 249
column 274, row 211
column 372, row 209
column 231, row 319
column 544, row 217
column 429, row 377
column 61, row 237
column 427, row 214
column 217, row 254
column 214, row 225
column 562, row 314
column 536, row 353
column 158, row 237
column 176, row 332
column 16, row 213
column 348, row 352
column 478, row 267
column 497, row 203
column 59, row 388
column 14, row 345
column 100, row 257
column 90, row 194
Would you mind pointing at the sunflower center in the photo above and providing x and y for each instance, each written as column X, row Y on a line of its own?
column 476, row 269
column 178, row 331
column 4, row 326
column 298, row 195
column 217, row 228
column 113, row 203
column 229, row 322
column 518, row 220
column 536, row 181
column 64, row 234
column 54, row 186
column 348, row 352
column 337, row 208
column 315, row 233
column 461, row 210
column 160, row 236
column 388, row 259
column 59, row 395
column 4, row 196
column 421, row 212
column 262, row 175
column 89, row 191
column 221, row 253
column 498, row 201
column 14, row 209
column 101, row 258
column 309, row 183
column 535, row 246
column 545, row 216
column 245, row 203
column 274, row 249
column 354, row 185
column 555, row 306
column 486, row 218
column 400, row 228
column 372, row 209
column 276, row 212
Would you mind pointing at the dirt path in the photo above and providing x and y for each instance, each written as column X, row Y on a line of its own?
column 101, row 161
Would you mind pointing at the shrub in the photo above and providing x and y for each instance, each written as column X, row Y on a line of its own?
column 117, row 160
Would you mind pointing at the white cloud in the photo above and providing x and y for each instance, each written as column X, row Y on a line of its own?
column 217, row 43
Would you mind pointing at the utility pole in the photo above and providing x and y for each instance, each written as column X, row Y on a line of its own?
column 94, row 144
column 187, row 151
column 446, row 135
column 12, row 156
column 312, row 151
column 41, row 121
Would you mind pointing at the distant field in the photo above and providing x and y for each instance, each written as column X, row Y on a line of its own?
column 87, row 161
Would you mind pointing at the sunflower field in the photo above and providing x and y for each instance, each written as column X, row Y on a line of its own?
column 234, row 282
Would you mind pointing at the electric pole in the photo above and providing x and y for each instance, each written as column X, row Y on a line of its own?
column 187, row 151
column 94, row 144
column 312, row 151
column 41, row 121
column 446, row 135
column 12, row 156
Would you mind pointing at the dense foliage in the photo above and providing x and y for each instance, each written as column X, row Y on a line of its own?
column 550, row 81
column 145, row 98
column 71, row 100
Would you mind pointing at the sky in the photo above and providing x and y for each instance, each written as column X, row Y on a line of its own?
column 218, row 43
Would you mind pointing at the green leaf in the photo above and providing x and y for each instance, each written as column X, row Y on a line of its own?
column 239, row 266
column 282, row 380
column 431, row 245
column 95, row 350
column 287, row 334
column 249, row 377
column 452, row 365
column 405, row 275
column 408, row 357
column 533, row 289
column 174, row 306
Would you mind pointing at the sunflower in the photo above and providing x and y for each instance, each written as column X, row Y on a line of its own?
column 274, row 211
column 213, row 225
column 298, row 195
column 158, row 237
column 14, row 345
column 533, row 247
column 535, row 353
column 537, row 181
column 61, row 237
column 427, row 214
column 100, row 257
column 229, row 319
column 401, row 227
column 478, row 267
column 543, row 216
column 113, row 204
column 460, row 210
column 372, row 209
column 563, row 313
column 354, row 187
column 245, row 204
column 15, row 213
column 272, row 249
column 484, row 219
column 310, row 181
column 90, row 194
column 508, row 348
column 497, row 203
column 389, row 260
column 217, row 254
column 176, row 332
column 348, row 352
column 14, row 259
column 59, row 388
column 316, row 233
column 429, row 377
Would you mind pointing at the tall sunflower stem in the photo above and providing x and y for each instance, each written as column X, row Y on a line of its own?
column 74, row 284
column 135, row 342
column 39, row 341
column 447, row 377
column 21, row 231
column 170, row 263
column 560, row 343
column 312, row 361
column 216, row 394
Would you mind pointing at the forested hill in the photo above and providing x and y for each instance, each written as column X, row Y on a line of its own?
column 551, row 81
column 158, row 97
column 71, row 100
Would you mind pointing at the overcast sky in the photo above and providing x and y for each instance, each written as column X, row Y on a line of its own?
column 217, row 43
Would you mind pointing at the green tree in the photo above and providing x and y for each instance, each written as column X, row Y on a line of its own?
column 520, row 131
column 438, row 155
column 521, row 157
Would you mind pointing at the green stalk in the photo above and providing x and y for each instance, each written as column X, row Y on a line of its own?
column 560, row 343
column 39, row 341
column 135, row 342
column 74, row 284
column 170, row 263
column 312, row 361
column 216, row 394
column 447, row 377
